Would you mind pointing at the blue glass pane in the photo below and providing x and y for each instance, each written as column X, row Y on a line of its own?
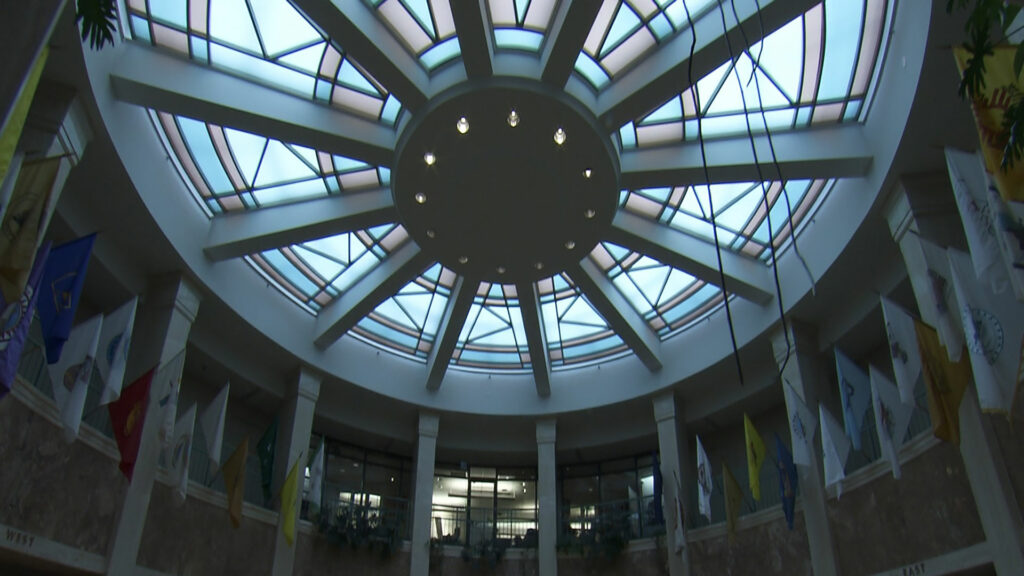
column 440, row 53
column 516, row 39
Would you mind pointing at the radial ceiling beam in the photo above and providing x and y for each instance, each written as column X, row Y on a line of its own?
column 666, row 72
column 833, row 152
column 153, row 79
column 242, row 233
column 571, row 25
column 745, row 277
column 369, row 42
column 616, row 310
column 536, row 340
column 469, row 16
column 448, row 332
column 395, row 271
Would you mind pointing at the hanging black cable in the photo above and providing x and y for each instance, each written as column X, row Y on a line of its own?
column 707, row 181
column 757, row 164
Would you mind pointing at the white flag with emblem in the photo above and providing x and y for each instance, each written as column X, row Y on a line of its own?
column 70, row 375
column 167, row 382
column 938, row 302
column 855, row 394
column 969, row 181
column 906, row 357
column 1010, row 234
column 705, row 484
column 112, row 354
column 802, row 426
column 994, row 329
column 836, row 448
column 316, row 476
column 181, row 452
column 892, row 417
column 213, row 426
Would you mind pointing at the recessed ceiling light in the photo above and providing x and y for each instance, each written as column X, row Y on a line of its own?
column 589, row 213
column 587, row 172
column 431, row 233
column 429, row 158
column 559, row 136
column 513, row 118
column 538, row 265
column 420, row 198
column 501, row 269
column 462, row 125
column 463, row 259
column 569, row 244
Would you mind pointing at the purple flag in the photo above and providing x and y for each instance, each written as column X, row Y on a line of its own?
column 15, row 321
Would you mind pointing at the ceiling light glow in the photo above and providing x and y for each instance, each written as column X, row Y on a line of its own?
column 559, row 136
column 429, row 158
column 513, row 118
column 421, row 198
column 462, row 125
column 569, row 244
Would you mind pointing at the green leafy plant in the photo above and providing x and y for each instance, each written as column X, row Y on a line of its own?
column 359, row 527
column 98, row 19
column 489, row 551
column 608, row 536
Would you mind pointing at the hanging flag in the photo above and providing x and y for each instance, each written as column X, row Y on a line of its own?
column 945, row 382
column 22, row 224
column 802, row 425
column 19, row 112
column 892, row 417
column 999, row 86
column 836, row 448
column 113, row 350
column 705, row 485
column 679, row 535
column 1010, row 235
column 181, row 452
column 234, row 481
column 733, row 501
column 289, row 494
column 70, row 376
column 213, row 426
column 127, row 415
column 755, row 456
column 994, row 330
column 265, row 451
column 855, row 393
column 168, row 380
column 659, row 512
column 968, row 179
column 945, row 309
column 61, row 288
column 15, row 319
column 316, row 487
column 906, row 360
column 787, row 480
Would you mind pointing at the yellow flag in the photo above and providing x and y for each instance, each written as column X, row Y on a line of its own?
column 16, row 121
column 945, row 382
column 733, row 501
column 1001, row 87
column 755, row 456
column 288, row 495
column 19, row 231
column 234, row 480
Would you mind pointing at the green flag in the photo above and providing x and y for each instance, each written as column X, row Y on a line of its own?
column 265, row 452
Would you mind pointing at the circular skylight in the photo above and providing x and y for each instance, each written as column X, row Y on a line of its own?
column 526, row 256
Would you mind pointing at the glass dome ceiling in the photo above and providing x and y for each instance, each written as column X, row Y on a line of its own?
column 648, row 280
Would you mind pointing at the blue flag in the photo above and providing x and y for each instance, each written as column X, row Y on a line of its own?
column 855, row 393
column 787, row 480
column 15, row 321
column 60, row 290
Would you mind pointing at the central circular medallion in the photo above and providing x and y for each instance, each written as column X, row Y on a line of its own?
column 506, row 181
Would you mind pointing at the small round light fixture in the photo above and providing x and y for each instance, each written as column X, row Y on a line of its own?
column 421, row 198
column 589, row 213
column 538, row 265
column 430, row 233
column 429, row 158
column 560, row 136
column 463, row 259
column 501, row 269
column 587, row 173
column 569, row 244
column 462, row 125
column 513, row 118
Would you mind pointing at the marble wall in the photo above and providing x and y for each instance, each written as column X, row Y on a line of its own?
column 766, row 548
column 315, row 556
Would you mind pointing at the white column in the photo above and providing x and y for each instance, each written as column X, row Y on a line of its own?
column 165, row 316
column 426, row 448
column 802, row 371
column 668, row 454
column 294, row 428
column 547, row 505
column 918, row 211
